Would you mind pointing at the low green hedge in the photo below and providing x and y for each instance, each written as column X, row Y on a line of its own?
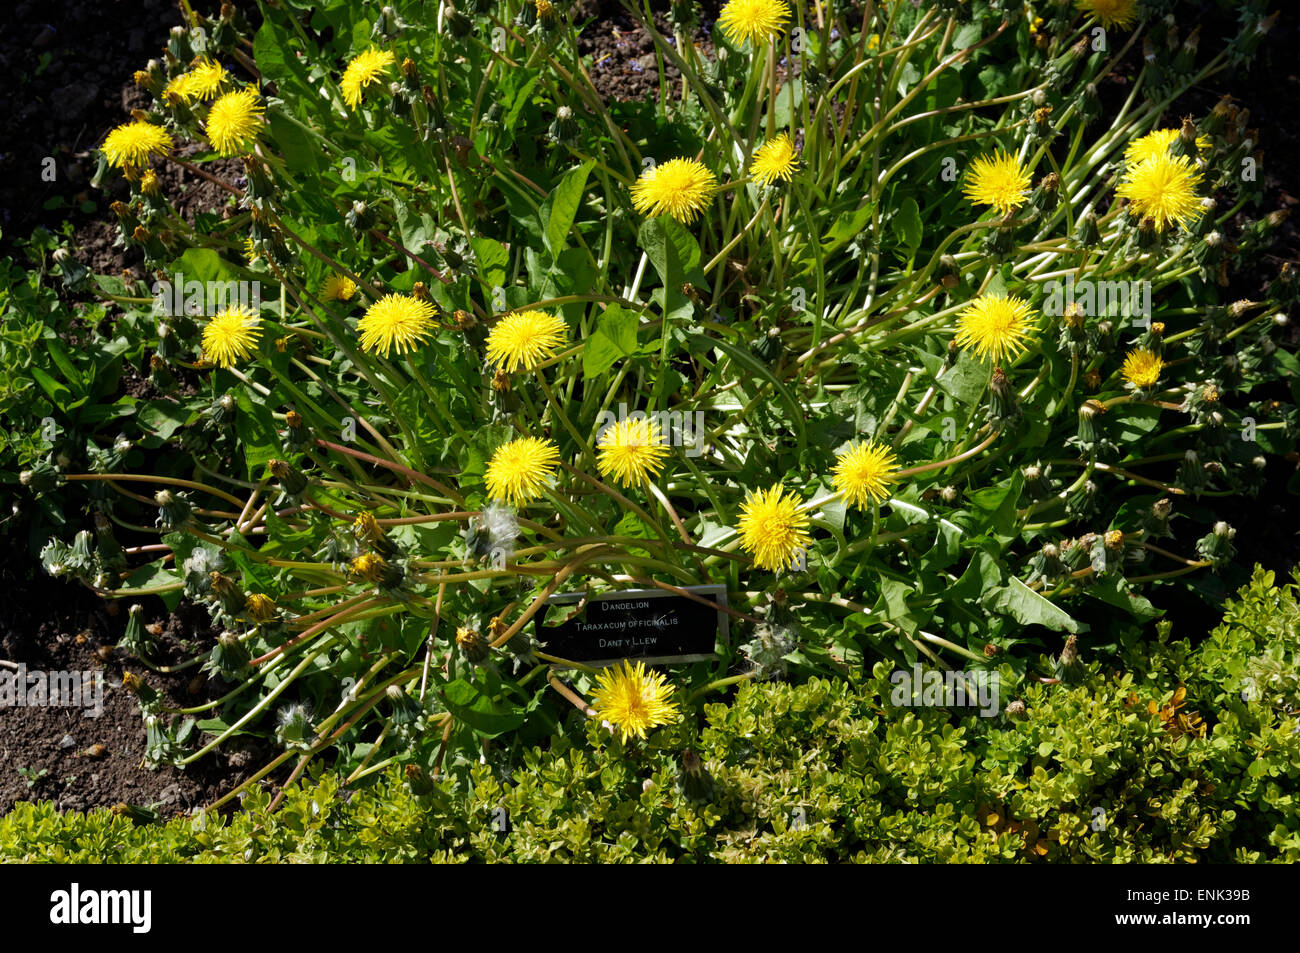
column 1112, row 764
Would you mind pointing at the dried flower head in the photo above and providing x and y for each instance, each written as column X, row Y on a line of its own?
column 369, row 567
column 259, row 607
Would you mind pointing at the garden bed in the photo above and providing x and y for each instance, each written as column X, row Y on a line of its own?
column 59, row 751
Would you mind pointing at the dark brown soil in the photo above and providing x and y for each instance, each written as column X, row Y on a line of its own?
column 70, row 68
column 55, row 753
column 624, row 65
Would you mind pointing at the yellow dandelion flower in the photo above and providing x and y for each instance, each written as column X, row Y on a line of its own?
column 150, row 184
column 395, row 321
column 201, row 83
column 998, row 181
column 634, row 699
column 521, row 470
column 364, row 70
column 1163, row 188
column 775, row 159
column 366, row 529
column 338, row 288
column 995, row 326
column 1142, row 368
column 132, row 144
column 863, row 471
column 682, row 188
column 1157, row 143
column 250, row 250
column 229, row 336
column 370, row 567
column 1120, row 13
column 523, row 339
column 260, row 608
column 632, row 451
column 773, row 528
column 234, row 121
column 178, row 87
column 757, row 21
column 469, row 640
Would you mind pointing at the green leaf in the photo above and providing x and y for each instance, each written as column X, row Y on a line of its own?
column 907, row 225
column 219, row 726
column 982, row 574
column 470, row 703
column 520, row 100
column 255, row 428
column 613, row 339
column 998, row 503
column 789, row 103
column 275, row 59
column 892, row 605
column 203, row 264
column 54, row 347
column 1113, row 590
column 676, row 258
column 161, row 418
column 300, row 152
column 1135, row 422
column 415, row 226
column 1029, row 608
column 847, row 226
column 157, row 574
column 561, row 206
column 57, row 392
column 239, row 552
column 492, row 260
column 757, row 368
column 965, row 380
